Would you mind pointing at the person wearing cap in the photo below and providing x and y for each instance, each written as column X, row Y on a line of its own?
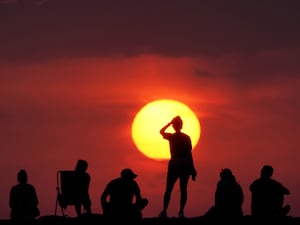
column 117, row 199
column 181, row 165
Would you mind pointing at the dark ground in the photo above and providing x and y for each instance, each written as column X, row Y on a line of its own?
column 98, row 219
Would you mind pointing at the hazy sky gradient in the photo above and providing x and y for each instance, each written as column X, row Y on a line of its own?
column 74, row 74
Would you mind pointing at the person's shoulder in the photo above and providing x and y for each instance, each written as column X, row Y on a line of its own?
column 14, row 187
column 132, row 182
column 167, row 135
column 115, row 180
column 255, row 182
column 238, row 186
column 277, row 183
column 119, row 181
column 29, row 187
column 185, row 135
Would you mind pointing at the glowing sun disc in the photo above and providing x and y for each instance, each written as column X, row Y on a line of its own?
column 152, row 117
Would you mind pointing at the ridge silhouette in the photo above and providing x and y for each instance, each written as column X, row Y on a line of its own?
column 267, row 202
column 117, row 198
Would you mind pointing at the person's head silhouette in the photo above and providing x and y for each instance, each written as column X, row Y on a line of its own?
column 81, row 166
column 128, row 174
column 177, row 123
column 225, row 173
column 266, row 171
column 22, row 176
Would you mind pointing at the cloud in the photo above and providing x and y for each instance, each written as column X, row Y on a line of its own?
column 24, row 2
column 202, row 73
column 126, row 28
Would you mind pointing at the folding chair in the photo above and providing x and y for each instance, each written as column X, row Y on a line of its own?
column 66, row 190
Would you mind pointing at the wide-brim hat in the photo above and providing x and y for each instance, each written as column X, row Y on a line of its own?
column 128, row 173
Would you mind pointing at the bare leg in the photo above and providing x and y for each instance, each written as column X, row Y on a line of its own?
column 78, row 209
column 183, row 191
column 171, row 180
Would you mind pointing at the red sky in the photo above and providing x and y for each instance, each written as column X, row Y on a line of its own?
column 73, row 76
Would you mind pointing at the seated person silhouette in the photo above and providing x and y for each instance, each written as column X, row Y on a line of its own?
column 267, row 195
column 23, row 200
column 229, row 198
column 121, row 192
column 82, row 184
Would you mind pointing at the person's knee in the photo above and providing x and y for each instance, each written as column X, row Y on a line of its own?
column 144, row 203
column 183, row 192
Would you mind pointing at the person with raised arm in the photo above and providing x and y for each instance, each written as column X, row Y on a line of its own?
column 180, row 166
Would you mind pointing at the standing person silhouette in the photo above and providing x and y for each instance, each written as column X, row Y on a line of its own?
column 82, row 188
column 23, row 200
column 180, row 165
column 267, row 195
column 121, row 192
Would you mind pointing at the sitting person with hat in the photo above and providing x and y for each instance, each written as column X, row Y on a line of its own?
column 121, row 192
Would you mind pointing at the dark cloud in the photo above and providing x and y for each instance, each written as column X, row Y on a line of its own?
column 24, row 2
column 62, row 28
column 204, row 74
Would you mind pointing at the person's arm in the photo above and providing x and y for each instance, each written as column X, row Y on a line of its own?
column 194, row 171
column 87, row 183
column 104, row 195
column 34, row 196
column 137, row 192
column 11, row 198
column 285, row 190
column 241, row 194
column 252, row 186
column 103, row 200
column 163, row 130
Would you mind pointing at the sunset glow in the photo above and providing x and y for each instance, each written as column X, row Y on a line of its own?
column 96, row 80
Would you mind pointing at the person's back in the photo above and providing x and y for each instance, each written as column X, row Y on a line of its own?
column 23, row 200
column 229, row 196
column 82, row 188
column 268, row 195
column 180, row 145
column 122, row 192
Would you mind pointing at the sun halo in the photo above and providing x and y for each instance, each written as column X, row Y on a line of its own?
column 152, row 117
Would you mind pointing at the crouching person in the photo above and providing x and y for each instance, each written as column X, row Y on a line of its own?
column 121, row 199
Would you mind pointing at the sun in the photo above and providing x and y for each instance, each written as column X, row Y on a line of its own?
column 152, row 117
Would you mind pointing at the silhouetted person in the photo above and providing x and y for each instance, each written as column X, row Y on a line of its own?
column 229, row 198
column 180, row 166
column 82, row 188
column 268, row 195
column 23, row 200
column 117, row 199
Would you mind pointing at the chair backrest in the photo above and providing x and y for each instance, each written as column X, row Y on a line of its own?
column 66, row 182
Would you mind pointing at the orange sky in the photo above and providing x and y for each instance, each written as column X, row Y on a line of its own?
column 73, row 94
